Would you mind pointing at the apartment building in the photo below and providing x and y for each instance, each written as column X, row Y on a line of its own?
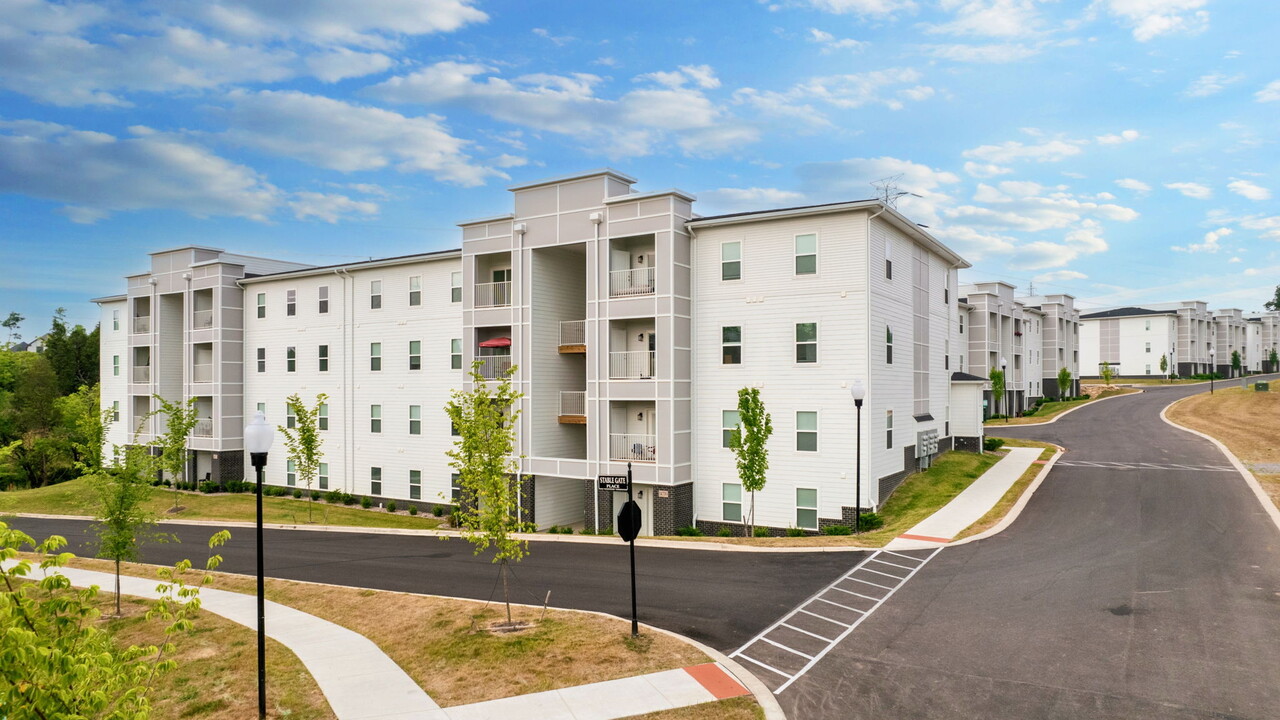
column 1263, row 340
column 1130, row 340
column 1230, row 333
column 1059, row 325
column 631, row 323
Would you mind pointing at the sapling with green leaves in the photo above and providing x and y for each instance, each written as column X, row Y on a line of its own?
column 997, row 386
column 1107, row 373
column 302, row 442
column 124, row 521
column 1235, row 363
column 180, row 420
column 1164, row 366
column 87, row 422
column 1275, row 360
column 484, row 455
column 1064, row 382
column 748, row 441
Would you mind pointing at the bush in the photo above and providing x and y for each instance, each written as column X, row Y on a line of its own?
column 297, row 492
column 333, row 496
column 209, row 488
column 438, row 511
column 997, row 416
column 870, row 521
column 992, row 444
column 391, row 506
column 413, row 509
column 838, row 530
column 689, row 531
column 365, row 502
column 348, row 499
column 795, row 532
column 761, row 532
column 586, row 531
column 725, row 532
column 1030, row 411
column 315, row 494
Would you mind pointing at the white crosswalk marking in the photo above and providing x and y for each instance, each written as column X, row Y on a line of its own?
column 1141, row 466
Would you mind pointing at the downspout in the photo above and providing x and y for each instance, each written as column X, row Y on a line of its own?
column 154, row 351
column 348, row 381
column 596, row 220
column 693, row 364
column 866, row 355
column 187, row 369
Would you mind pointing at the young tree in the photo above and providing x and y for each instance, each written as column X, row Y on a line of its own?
column 1235, row 363
column 1272, row 304
column 14, row 321
column 1107, row 374
column 124, row 522
column 1164, row 366
column 31, row 415
column 484, row 456
column 747, row 441
column 181, row 419
column 303, row 441
column 72, row 352
column 86, row 424
column 997, row 387
column 1064, row 382
column 1275, row 360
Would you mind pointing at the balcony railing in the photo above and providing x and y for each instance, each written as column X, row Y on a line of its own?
column 202, row 373
column 201, row 319
column 142, row 325
column 573, row 402
column 203, row 428
column 493, row 367
column 142, row 374
column 494, row 294
column 635, row 448
column 636, row 281
column 573, row 332
column 631, row 364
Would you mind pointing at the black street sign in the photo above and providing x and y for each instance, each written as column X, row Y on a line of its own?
column 613, row 482
column 629, row 521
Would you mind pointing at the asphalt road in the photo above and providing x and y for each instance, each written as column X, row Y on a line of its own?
column 719, row 598
column 1120, row 592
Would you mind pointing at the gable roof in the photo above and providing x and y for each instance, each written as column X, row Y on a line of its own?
column 1125, row 312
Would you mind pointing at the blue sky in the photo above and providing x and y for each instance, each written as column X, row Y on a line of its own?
column 1118, row 150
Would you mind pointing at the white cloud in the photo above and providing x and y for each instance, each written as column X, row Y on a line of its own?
column 981, row 170
column 341, row 63
column 856, row 90
column 1270, row 93
column 1246, row 189
column 1060, row 276
column 1114, row 139
column 1252, row 271
column 830, row 43
column 1014, row 151
column 1210, row 84
column 1135, row 185
column 328, row 207
column 1032, row 213
column 917, row 93
column 340, row 136
column 727, row 200
column 1041, row 254
column 1209, row 245
column 700, row 75
column 992, row 18
column 557, row 40
column 1235, row 260
column 1269, row 226
column 1191, row 190
column 1001, row 53
column 852, row 179
column 1152, row 18
column 877, row 8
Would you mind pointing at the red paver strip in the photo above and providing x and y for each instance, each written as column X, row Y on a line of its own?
column 926, row 538
column 1039, row 462
column 717, row 682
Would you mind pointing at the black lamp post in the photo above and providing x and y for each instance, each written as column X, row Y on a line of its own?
column 257, row 440
column 1213, row 369
column 1004, row 364
column 859, row 393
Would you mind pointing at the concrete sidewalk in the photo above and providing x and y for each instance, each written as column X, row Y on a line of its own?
column 969, row 506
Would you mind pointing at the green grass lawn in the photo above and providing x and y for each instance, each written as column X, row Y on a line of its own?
column 923, row 493
column 1052, row 409
column 77, row 497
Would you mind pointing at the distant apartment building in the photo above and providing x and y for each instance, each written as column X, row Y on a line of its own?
column 1263, row 342
column 631, row 323
column 1193, row 339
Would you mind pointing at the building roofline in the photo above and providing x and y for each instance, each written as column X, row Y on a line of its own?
column 573, row 176
column 190, row 247
column 366, row 264
column 108, row 298
column 1123, row 312
column 656, row 193
column 491, row 218
column 964, row 377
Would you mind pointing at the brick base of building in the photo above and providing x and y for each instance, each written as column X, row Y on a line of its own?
column 967, row 444
column 674, row 511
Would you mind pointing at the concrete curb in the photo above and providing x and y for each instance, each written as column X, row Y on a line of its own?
column 1016, row 510
column 1061, row 415
column 1272, row 511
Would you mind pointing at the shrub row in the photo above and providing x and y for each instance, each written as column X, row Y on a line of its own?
column 992, row 444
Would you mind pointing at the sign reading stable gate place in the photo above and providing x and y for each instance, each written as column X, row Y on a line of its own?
column 613, row 482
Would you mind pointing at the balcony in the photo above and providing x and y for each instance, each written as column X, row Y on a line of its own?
column 632, row 448
column 142, row 374
column 573, row 336
column 630, row 365
column 573, row 407
column 494, row 367
column 203, row 428
column 202, row 319
column 139, row 424
column 627, row 283
column 202, row 373
column 142, row 325
column 493, row 294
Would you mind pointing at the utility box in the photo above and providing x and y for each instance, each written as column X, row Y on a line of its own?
column 1262, row 387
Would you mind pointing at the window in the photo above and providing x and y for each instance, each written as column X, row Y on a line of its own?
column 290, row 302
column 415, row 354
column 806, row 342
column 290, row 359
column 262, row 359
column 731, row 339
column 807, row 254
column 415, row 419
column 290, row 473
column 115, row 365
column 1148, row 347
column 455, row 287
column 729, row 421
column 415, row 484
column 415, row 290
column 946, row 294
column 453, row 429
column 888, row 428
column 375, row 294
column 888, row 345
column 115, row 411
column 115, row 319
column 962, row 323
column 888, row 269
column 323, row 476
column 946, row 356
column 323, row 299
column 290, row 420
column 455, row 353
column 375, row 481
column 262, row 408
column 262, row 305
column 807, row 431
column 1148, row 369
column 375, row 357
column 1148, row 324
column 375, row 418
column 731, row 502
column 807, row 508
column 731, row 261
column 322, row 417
column 323, row 353
column 455, row 489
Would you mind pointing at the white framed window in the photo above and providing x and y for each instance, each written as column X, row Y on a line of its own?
column 262, row 408
column 290, row 359
column 1148, row 369
column 375, row 357
column 415, row 419
column 1148, row 324
column 415, row 290
column 806, row 342
column 262, row 360
column 415, row 484
column 807, row 508
column 1148, row 347
column 290, row 302
column 888, row 345
column 262, row 305
column 375, row 481
column 888, row 428
column 115, row 411
column 455, row 489
column 290, row 473
column 115, row 319
column 729, row 421
column 731, row 502
column 323, row 476
column 322, row 417
column 323, row 355
column 888, row 260
column 455, row 353
column 946, row 354
column 731, row 260
column 290, row 420
column 375, row 294
column 415, row 354
column 807, row 431
column 961, row 323
column 455, row 287
column 806, row 251
column 115, row 365
column 731, row 344
column 322, row 304
column 375, row 418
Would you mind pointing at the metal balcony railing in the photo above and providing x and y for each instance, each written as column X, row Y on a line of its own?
column 493, row 367
column 142, row 325
column 142, row 374
column 202, row 373
column 494, row 294
column 635, row 448
column 636, row 281
column 203, row 428
column 201, row 319
column 573, row 332
column 573, row 402
column 631, row 364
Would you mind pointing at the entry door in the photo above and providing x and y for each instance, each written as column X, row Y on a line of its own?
column 644, row 498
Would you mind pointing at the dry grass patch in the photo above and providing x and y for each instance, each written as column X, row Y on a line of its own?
column 1246, row 421
column 437, row 641
column 739, row 708
column 1015, row 491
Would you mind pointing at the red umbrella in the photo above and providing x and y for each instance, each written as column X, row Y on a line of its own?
column 496, row 342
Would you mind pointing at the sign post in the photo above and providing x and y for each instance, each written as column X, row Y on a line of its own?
column 629, row 527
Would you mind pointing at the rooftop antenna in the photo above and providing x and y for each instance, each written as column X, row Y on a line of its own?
column 1031, row 288
column 888, row 192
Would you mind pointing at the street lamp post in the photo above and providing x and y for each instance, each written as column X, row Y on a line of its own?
column 859, row 392
column 257, row 440
column 1004, row 364
column 1172, row 363
column 1213, row 369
